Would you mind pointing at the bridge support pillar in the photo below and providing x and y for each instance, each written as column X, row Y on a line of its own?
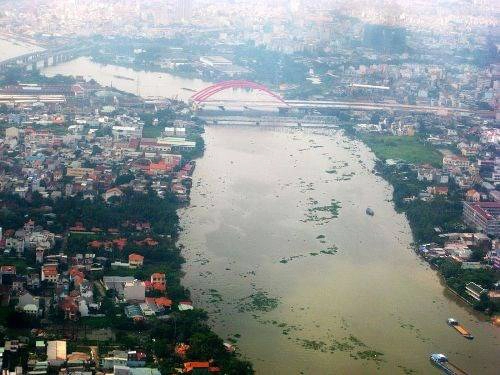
column 46, row 62
column 34, row 67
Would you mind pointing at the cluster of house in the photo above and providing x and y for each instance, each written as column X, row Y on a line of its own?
column 132, row 293
column 85, row 143
column 47, row 356
column 66, row 277
column 481, row 197
column 53, row 356
column 460, row 248
column 401, row 127
column 100, row 155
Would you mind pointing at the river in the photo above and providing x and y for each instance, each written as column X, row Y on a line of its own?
column 146, row 84
column 302, row 285
column 11, row 48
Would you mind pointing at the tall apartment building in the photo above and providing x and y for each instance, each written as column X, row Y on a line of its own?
column 484, row 216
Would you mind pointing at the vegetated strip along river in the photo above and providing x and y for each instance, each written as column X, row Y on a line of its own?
column 298, row 287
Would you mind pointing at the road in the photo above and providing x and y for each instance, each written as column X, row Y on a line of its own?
column 334, row 104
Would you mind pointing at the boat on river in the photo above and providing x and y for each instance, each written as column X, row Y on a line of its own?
column 123, row 77
column 459, row 328
column 370, row 212
column 442, row 362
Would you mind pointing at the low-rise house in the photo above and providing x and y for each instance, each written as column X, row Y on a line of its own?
column 33, row 281
column 31, row 310
column 116, row 283
column 134, row 291
column 158, row 281
column 200, row 368
column 69, row 306
column 475, row 290
column 49, row 273
column 135, row 260
column 112, row 193
column 163, row 303
column 8, row 275
column 425, row 172
column 453, row 161
column 15, row 244
column 472, row 195
column 438, row 190
column 114, row 358
column 27, row 299
column 136, row 358
column 56, row 352
column 148, row 308
column 185, row 305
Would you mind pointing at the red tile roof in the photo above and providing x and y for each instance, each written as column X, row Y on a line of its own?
column 135, row 257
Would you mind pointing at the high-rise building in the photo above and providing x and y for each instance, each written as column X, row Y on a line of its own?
column 183, row 10
column 385, row 38
column 295, row 6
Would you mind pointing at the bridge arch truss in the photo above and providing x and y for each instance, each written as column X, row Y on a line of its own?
column 206, row 93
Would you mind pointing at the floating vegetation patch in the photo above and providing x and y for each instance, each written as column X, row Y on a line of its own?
column 356, row 341
column 331, row 250
column 314, row 345
column 346, row 176
column 312, row 201
column 306, row 187
column 407, row 370
column 350, row 344
column 286, row 328
column 289, row 259
column 323, row 214
column 234, row 338
column 371, row 355
column 410, row 327
column 202, row 261
column 215, row 296
column 258, row 301
column 341, row 346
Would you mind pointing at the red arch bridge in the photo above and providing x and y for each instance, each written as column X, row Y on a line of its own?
column 203, row 95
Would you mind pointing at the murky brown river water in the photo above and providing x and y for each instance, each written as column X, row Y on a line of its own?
column 373, row 306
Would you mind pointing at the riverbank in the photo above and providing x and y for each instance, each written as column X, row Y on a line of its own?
column 148, row 67
column 429, row 218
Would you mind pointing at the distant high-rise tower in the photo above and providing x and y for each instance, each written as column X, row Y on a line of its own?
column 295, row 6
column 184, row 10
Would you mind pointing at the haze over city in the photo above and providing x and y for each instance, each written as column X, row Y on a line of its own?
column 249, row 187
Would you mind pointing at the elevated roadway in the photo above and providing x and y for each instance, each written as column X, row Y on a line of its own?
column 330, row 104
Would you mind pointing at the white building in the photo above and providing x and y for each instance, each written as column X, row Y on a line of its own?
column 126, row 131
column 134, row 291
column 56, row 352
